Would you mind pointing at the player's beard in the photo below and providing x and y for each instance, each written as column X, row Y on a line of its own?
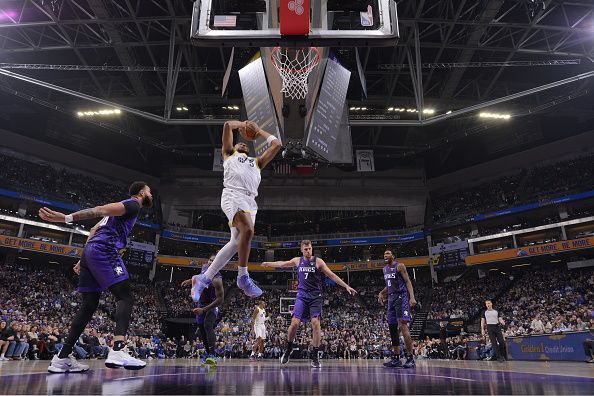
column 147, row 201
column 243, row 151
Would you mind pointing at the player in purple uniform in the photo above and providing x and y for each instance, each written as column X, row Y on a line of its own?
column 101, row 268
column 401, row 298
column 207, row 312
column 308, row 305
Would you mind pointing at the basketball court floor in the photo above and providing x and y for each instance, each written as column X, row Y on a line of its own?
column 241, row 377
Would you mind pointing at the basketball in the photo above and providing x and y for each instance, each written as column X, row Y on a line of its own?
column 249, row 132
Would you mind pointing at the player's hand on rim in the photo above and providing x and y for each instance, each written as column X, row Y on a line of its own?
column 51, row 215
column 265, row 264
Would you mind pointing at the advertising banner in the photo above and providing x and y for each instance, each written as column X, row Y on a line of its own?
column 536, row 250
column 567, row 346
column 38, row 246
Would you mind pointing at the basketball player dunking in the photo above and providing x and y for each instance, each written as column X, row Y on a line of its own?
column 308, row 305
column 207, row 312
column 241, row 180
column 401, row 298
column 101, row 268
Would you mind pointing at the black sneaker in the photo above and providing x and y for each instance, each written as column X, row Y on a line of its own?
column 315, row 363
column 410, row 363
column 394, row 363
column 285, row 358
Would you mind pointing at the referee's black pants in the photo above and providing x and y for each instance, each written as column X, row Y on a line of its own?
column 497, row 341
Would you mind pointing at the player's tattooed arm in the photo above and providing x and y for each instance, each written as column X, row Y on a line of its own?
column 112, row 209
column 409, row 287
column 281, row 264
column 328, row 272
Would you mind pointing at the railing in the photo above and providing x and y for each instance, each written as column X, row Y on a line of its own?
column 347, row 234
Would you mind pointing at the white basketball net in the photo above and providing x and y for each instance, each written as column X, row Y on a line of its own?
column 294, row 66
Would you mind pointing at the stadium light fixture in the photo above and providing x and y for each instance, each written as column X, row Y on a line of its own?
column 428, row 111
column 363, row 108
column 352, row 108
column 449, row 112
column 499, row 116
column 102, row 112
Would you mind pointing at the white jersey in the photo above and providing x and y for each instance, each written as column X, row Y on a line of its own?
column 242, row 173
column 260, row 317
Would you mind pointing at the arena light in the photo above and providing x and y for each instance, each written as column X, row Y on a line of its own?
column 390, row 109
column 428, row 111
column 102, row 112
column 181, row 108
column 499, row 116
column 352, row 108
column 449, row 112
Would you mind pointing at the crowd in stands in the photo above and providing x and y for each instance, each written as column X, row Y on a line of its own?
column 528, row 185
column 551, row 301
column 37, row 304
column 42, row 179
column 464, row 298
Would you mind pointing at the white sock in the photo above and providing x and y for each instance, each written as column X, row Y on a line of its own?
column 241, row 271
column 224, row 255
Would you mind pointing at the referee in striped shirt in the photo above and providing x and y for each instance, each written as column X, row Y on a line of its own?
column 491, row 323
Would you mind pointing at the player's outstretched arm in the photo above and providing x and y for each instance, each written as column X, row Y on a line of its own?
column 281, row 264
column 112, row 209
column 274, row 145
column 411, row 294
column 227, row 147
column 328, row 272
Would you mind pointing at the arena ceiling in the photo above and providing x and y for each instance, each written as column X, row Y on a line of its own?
column 137, row 53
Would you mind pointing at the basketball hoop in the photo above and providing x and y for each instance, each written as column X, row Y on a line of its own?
column 294, row 66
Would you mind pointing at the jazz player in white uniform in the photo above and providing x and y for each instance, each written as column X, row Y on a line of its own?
column 241, row 180
column 259, row 325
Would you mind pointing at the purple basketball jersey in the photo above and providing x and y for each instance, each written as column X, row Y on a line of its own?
column 113, row 230
column 310, row 278
column 394, row 281
column 209, row 295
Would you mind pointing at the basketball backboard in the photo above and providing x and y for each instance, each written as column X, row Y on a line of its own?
column 272, row 23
